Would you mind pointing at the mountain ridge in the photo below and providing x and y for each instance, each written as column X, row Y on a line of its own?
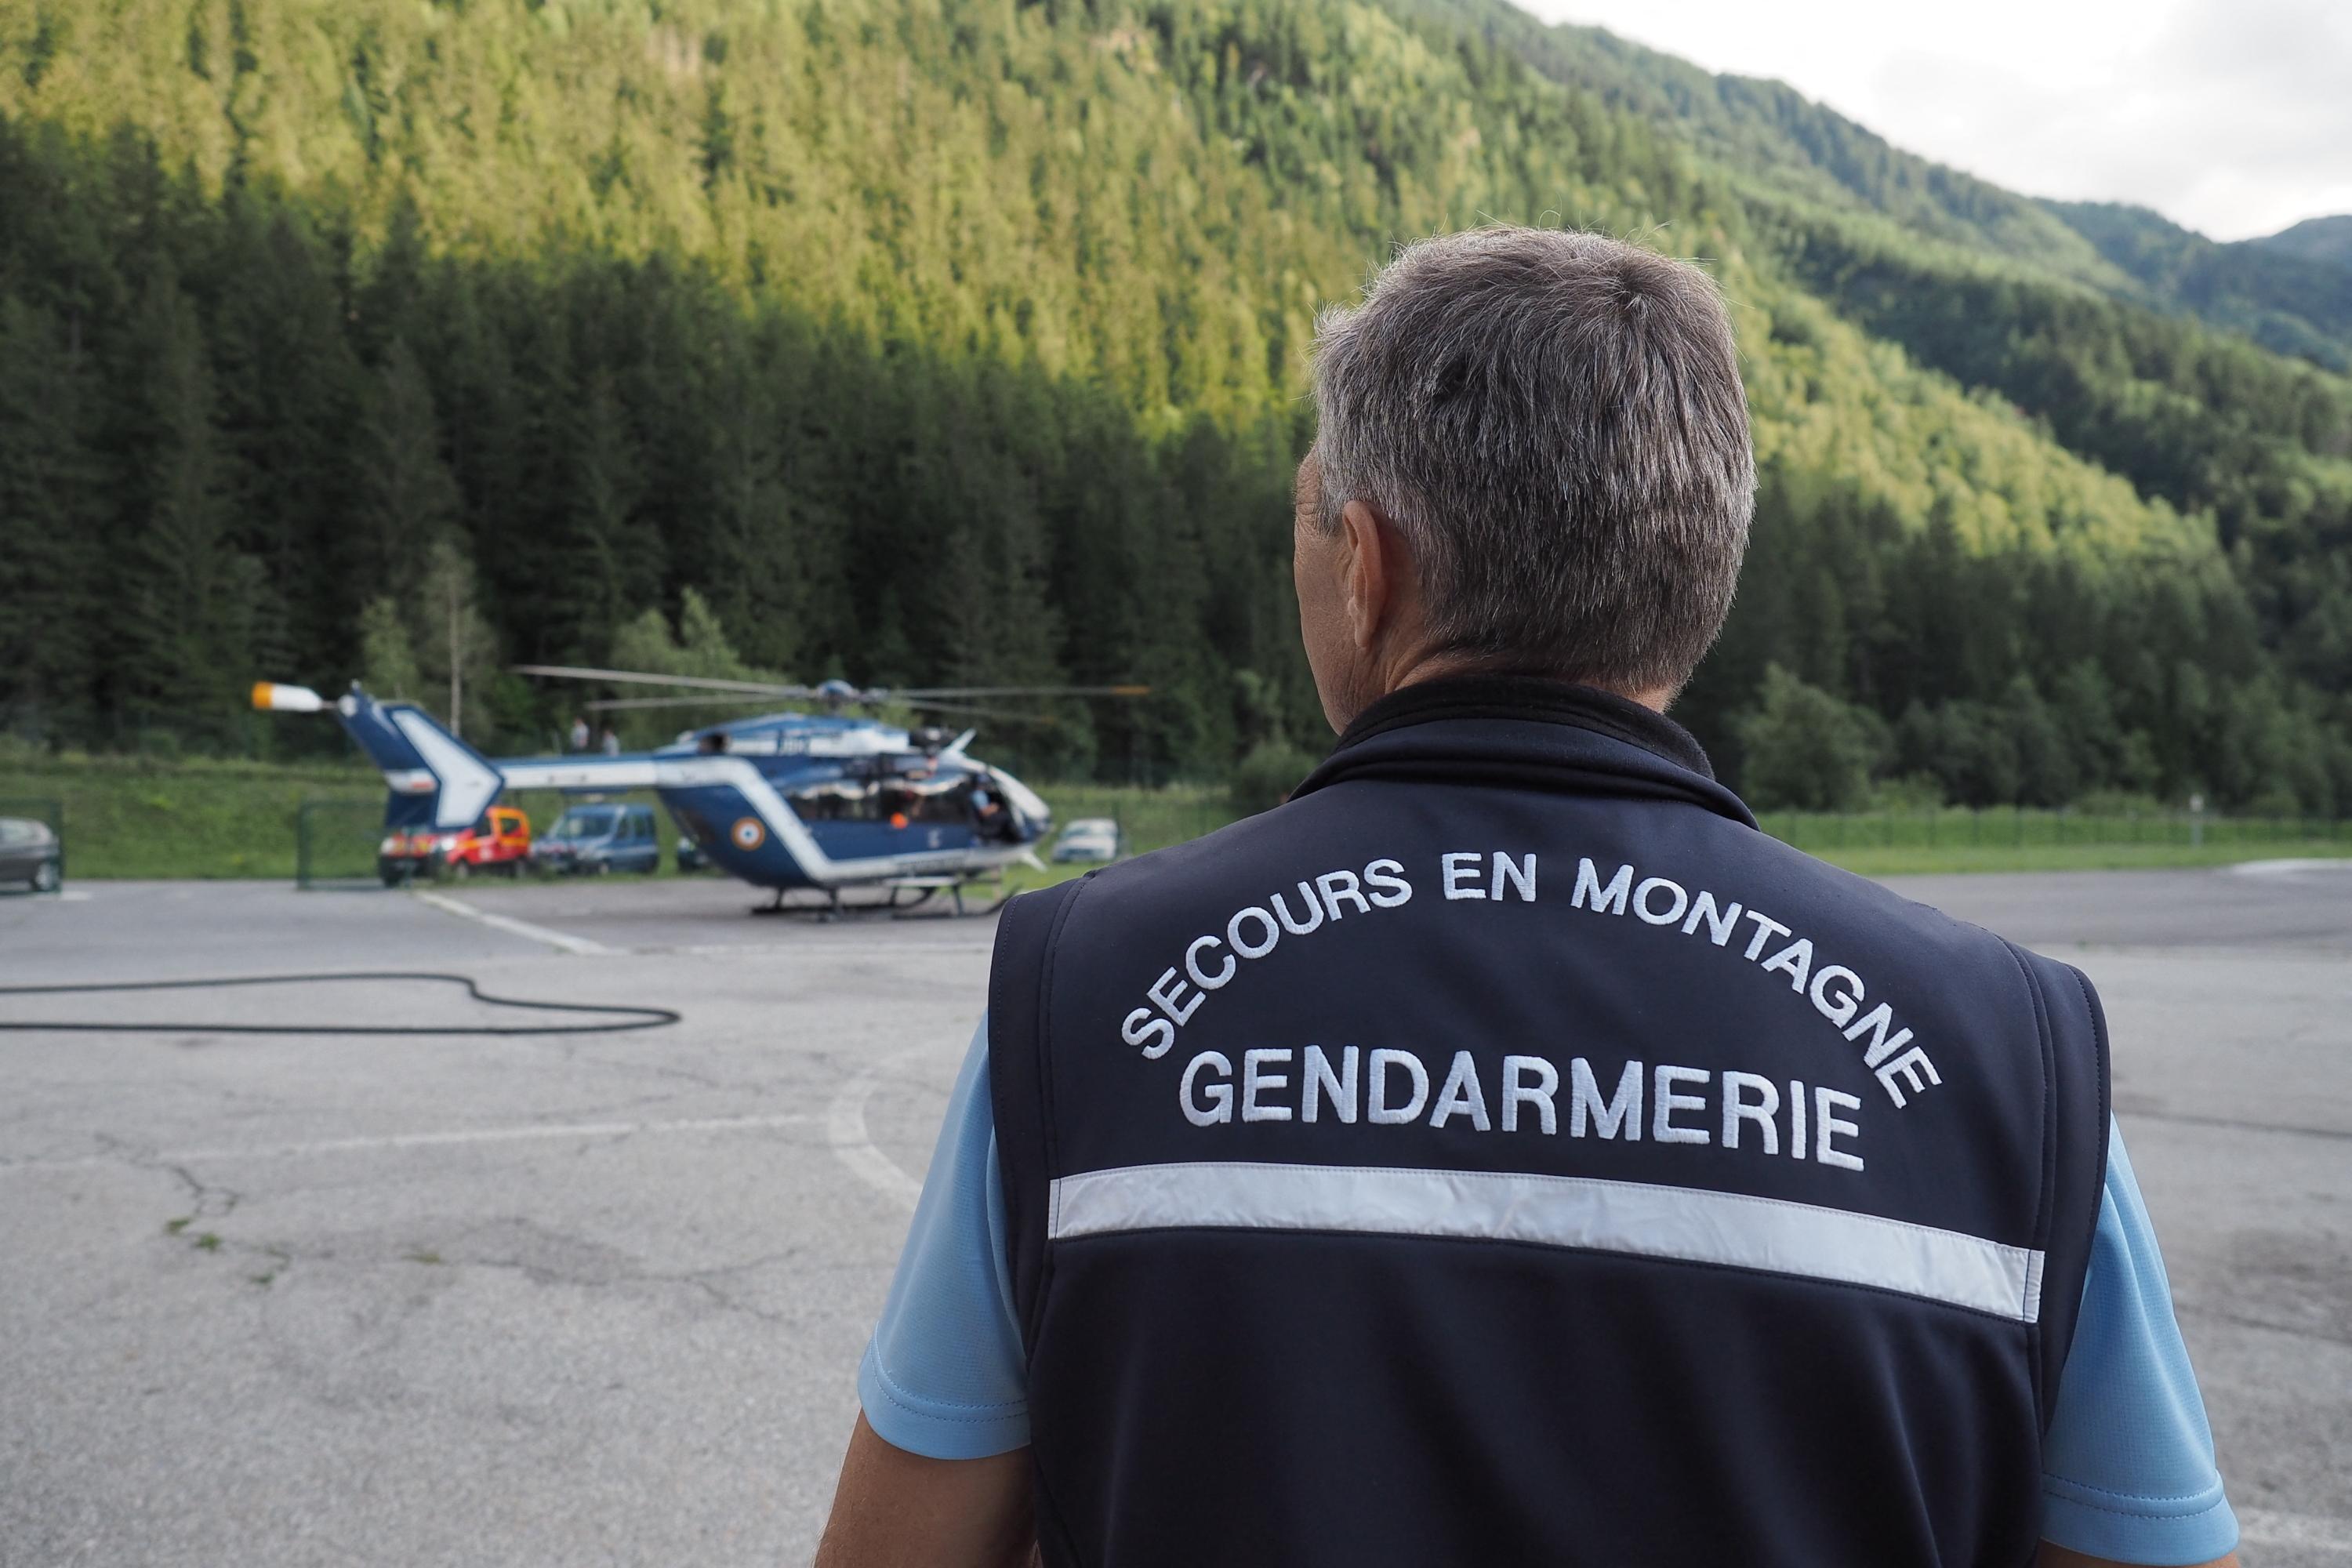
column 2315, row 239
column 1768, row 128
column 1762, row 126
column 2291, row 298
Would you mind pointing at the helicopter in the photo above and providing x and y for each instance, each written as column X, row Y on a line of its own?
column 792, row 802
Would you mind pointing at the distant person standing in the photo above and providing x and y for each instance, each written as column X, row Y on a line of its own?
column 580, row 734
column 1503, row 1153
column 611, row 743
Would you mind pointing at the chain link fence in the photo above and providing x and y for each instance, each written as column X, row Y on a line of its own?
column 1148, row 819
column 335, row 843
column 2018, row 827
column 337, row 838
column 1153, row 818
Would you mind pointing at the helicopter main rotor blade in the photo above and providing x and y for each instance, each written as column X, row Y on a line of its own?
column 915, row 691
column 928, row 706
column 791, row 691
column 608, row 704
column 641, row 704
column 643, row 678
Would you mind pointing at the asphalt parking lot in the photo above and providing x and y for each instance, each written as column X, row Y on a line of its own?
column 586, row 1298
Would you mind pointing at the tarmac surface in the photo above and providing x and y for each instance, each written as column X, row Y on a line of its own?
column 599, row 1298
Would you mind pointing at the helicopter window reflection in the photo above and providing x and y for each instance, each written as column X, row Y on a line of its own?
column 846, row 799
column 897, row 791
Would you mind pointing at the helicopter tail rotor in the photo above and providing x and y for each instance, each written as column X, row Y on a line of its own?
column 269, row 697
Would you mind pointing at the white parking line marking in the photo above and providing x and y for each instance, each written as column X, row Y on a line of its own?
column 2296, row 1530
column 562, row 940
column 2289, row 867
column 845, row 1127
column 456, row 1137
column 783, row 951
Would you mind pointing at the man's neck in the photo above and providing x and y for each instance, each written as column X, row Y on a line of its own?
column 1442, row 665
column 1488, row 696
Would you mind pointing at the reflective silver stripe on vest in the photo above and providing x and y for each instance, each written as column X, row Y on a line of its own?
column 1683, row 1223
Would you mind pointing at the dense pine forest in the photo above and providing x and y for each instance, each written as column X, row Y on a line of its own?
column 964, row 341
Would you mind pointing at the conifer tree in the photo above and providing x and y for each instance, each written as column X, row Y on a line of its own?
column 408, row 500
column 48, row 514
column 182, row 654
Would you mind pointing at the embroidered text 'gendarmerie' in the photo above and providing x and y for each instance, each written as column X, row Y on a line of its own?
column 1688, row 1105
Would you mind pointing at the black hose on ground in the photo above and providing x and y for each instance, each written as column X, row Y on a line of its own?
column 620, row 1020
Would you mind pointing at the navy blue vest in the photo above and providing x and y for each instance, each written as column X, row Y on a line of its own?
column 1505, row 1154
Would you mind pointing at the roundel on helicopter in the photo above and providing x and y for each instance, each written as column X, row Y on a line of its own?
column 822, row 801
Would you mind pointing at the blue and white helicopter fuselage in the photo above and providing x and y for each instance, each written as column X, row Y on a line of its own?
column 787, row 800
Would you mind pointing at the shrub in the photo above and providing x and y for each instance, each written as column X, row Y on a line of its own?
column 1806, row 750
column 2119, row 803
column 1264, row 778
column 1915, row 793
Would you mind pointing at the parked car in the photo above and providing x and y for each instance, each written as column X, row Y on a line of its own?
column 1089, row 838
column 29, row 852
column 500, row 842
column 595, row 839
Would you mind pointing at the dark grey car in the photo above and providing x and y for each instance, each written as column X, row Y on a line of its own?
column 30, row 853
column 600, row 838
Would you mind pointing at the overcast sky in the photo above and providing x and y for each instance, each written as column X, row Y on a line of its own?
column 2234, row 116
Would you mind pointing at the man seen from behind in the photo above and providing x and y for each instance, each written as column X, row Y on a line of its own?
column 1503, row 1153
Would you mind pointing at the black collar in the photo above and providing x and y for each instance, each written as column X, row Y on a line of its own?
column 1531, row 697
column 1522, row 732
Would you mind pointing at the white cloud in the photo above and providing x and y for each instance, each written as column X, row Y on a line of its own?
column 2234, row 116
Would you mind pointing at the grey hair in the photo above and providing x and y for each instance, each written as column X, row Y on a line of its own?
column 1555, row 422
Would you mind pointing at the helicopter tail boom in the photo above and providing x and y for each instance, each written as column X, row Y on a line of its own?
column 437, row 780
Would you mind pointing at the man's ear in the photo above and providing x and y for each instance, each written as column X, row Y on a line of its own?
column 1371, row 568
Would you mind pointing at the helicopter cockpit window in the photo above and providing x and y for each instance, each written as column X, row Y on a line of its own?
column 992, row 817
column 849, row 798
column 927, row 794
column 893, row 790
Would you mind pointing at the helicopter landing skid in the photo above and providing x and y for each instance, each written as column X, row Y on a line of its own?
column 905, row 895
column 831, row 910
column 924, row 888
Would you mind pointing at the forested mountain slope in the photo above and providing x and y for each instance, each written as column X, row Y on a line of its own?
column 1783, row 143
column 1798, row 148
column 923, row 339
column 2286, row 300
column 2315, row 238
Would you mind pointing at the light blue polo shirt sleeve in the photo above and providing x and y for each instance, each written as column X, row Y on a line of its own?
column 944, row 1376
column 2127, row 1467
column 2129, row 1472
